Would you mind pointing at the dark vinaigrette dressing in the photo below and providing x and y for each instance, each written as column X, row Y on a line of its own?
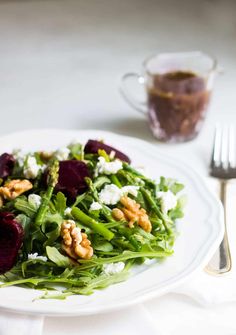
column 177, row 104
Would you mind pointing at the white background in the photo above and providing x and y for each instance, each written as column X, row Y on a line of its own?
column 60, row 61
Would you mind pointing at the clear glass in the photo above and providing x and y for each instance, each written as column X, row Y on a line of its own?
column 178, row 89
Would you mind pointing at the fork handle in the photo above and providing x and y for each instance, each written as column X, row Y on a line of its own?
column 221, row 261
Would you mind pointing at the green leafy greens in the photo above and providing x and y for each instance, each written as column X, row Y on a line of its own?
column 43, row 263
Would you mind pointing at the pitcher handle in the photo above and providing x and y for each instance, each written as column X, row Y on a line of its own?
column 140, row 106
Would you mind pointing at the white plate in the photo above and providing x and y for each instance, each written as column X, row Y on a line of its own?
column 200, row 231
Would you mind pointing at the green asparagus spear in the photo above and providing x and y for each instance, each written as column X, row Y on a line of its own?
column 96, row 226
column 154, row 207
column 52, row 181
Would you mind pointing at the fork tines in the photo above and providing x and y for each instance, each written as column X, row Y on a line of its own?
column 223, row 162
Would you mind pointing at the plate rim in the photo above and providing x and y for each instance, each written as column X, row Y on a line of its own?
column 177, row 280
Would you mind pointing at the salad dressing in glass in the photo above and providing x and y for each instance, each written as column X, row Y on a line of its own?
column 178, row 101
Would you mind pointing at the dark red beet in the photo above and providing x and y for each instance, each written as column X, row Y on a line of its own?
column 71, row 178
column 11, row 237
column 6, row 165
column 92, row 147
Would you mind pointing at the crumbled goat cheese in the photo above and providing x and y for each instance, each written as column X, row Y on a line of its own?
column 36, row 256
column 130, row 189
column 108, row 168
column 62, row 154
column 168, row 200
column 34, row 200
column 113, row 268
column 111, row 194
column 95, row 206
column 67, row 211
column 19, row 156
column 31, row 168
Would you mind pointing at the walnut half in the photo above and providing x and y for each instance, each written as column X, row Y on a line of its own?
column 14, row 188
column 132, row 213
column 75, row 243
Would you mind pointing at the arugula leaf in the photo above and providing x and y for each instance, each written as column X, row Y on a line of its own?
column 100, row 282
column 102, row 245
column 22, row 204
column 101, row 181
column 53, row 235
column 170, row 184
column 24, row 221
column 178, row 211
column 56, row 257
column 60, row 203
column 176, row 187
column 77, row 151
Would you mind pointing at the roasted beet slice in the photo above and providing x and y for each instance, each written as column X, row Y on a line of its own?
column 92, row 147
column 71, row 178
column 7, row 162
column 11, row 237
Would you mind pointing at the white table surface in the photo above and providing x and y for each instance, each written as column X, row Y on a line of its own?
column 60, row 64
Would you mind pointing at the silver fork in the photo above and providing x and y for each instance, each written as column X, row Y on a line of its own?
column 223, row 167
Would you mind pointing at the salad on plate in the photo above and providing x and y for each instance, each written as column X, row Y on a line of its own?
column 80, row 218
